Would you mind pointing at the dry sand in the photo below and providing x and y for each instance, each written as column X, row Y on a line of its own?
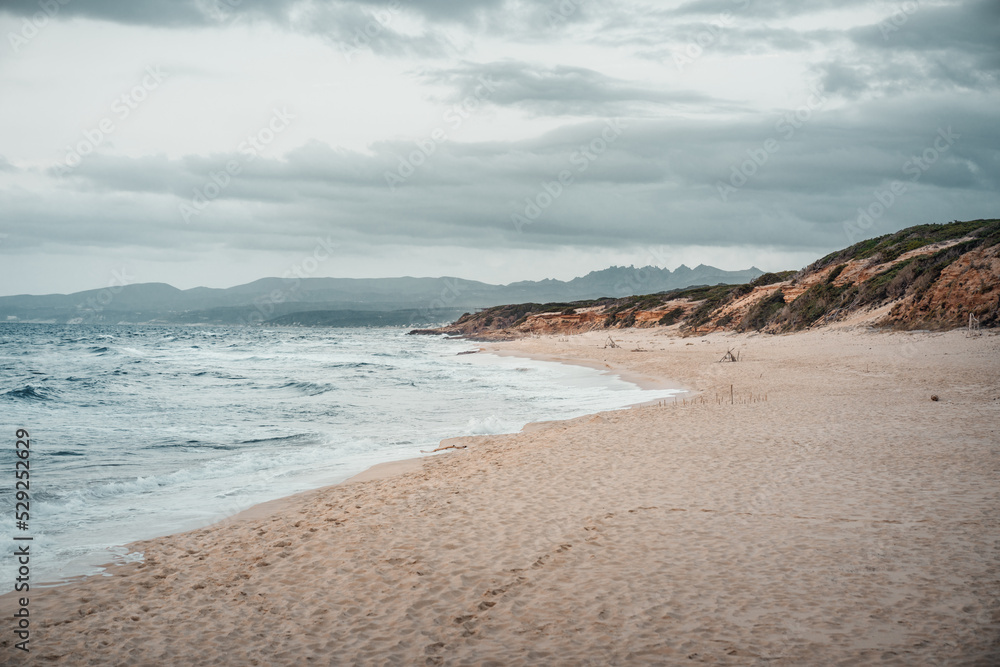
column 846, row 519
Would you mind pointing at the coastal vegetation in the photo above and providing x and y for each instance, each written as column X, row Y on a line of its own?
column 922, row 277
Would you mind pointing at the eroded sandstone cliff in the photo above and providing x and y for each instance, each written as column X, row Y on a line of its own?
column 924, row 277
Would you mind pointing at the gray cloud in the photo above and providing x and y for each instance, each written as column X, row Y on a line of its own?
column 356, row 27
column 139, row 12
column 971, row 27
column 561, row 90
column 658, row 181
column 349, row 25
column 661, row 181
column 187, row 13
column 770, row 9
column 951, row 47
column 447, row 9
column 343, row 21
column 724, row 28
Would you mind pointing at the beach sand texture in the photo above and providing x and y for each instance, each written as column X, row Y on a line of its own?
column 846, row 519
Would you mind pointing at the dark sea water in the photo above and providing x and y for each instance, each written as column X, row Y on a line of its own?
column 138, row 431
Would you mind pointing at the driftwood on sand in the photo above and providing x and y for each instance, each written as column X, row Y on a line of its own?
column 441, row 449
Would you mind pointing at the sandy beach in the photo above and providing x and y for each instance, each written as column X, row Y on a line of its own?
column 808, row 505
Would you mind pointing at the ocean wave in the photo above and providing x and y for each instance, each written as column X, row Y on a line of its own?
column 247, row 467
column 368, row 366
column 309, row 388
column 30, row 393
column 491, row 425
column 219, row 375
column 189, row 445
column 298, row 437
column 215, row 423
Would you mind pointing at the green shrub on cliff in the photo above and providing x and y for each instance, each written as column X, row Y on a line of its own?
column 761, row 313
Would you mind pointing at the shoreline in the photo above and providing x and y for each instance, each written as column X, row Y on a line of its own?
column 846, row 517
column 643, row 381
column 387, row 469
column 377, row 471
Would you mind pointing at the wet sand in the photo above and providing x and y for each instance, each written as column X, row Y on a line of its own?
column 828, row 513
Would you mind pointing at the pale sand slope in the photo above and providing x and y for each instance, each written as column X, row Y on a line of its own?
column 846, row 520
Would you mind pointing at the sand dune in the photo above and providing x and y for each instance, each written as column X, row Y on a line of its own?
column 846, row 519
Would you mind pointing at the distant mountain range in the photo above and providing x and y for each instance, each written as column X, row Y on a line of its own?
column 344, row 301
column 923, row 277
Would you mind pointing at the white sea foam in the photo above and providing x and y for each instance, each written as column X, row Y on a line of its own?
column 184, row 426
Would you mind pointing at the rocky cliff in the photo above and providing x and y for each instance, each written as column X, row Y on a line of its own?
column 924, row 277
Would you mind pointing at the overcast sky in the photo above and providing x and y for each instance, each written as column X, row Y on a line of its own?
column 213, row 142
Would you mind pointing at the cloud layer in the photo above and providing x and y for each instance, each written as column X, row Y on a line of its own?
column 506, row 127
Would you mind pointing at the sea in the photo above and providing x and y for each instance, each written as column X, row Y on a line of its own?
column 141, row 431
